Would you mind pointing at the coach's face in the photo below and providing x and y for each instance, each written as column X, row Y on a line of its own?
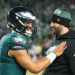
column 56, row 27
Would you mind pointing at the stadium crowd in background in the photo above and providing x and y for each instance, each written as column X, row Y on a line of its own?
column 43, row 10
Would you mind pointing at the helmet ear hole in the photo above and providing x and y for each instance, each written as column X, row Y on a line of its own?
column 17, row 16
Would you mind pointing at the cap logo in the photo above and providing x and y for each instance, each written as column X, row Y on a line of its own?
column 57, row 11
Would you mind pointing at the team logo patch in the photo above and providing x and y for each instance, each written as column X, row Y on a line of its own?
column 19, row 40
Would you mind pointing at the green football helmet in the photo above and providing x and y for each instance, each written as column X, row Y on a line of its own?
column 18, row 16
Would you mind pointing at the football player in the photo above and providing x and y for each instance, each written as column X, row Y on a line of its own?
column 14, row 58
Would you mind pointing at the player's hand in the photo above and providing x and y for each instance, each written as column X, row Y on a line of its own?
column 60, row 49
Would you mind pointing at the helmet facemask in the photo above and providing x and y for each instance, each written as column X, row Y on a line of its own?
column 16, row 21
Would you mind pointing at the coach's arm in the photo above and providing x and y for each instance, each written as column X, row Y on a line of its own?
column 35, row 67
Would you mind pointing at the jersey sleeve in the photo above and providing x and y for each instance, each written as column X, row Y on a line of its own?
column 17, row 47
column 18, row 43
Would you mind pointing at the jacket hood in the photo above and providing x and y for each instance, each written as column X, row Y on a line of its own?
column 69, row 35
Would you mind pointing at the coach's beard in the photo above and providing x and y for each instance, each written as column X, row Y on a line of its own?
column 57, row 32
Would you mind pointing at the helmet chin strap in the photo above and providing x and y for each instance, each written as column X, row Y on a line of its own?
column 12, row 31
column 28, row 33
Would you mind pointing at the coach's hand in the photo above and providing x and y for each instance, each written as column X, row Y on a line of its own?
column 60, row 49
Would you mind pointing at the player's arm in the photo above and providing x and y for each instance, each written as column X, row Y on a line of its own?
column 25, row 61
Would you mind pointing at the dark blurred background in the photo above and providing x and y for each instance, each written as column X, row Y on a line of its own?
column 43, row 10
